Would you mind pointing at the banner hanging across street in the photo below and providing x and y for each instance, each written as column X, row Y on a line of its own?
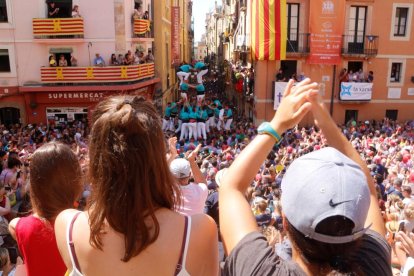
column 269, row 29
column 355, row 91
column 327, row 19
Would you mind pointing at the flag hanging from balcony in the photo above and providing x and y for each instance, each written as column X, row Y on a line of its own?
column 269, row 29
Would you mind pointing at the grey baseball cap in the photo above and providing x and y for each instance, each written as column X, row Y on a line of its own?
column 323, row 184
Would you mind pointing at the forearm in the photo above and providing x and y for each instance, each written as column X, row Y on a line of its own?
column 198, row 175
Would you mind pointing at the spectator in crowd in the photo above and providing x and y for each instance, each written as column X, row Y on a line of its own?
column 55, row 185
column 62, row 61
column 7, row 268
column 98, row 61
column 120, row 59
column 53, row 10
column 138, row 11
column 331, row 226
column 75, row 12
column 132, row 203
column 113, row 61
column 361, row 75
column 193, row 193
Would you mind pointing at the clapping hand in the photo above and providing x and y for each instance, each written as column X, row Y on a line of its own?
column 294, row 105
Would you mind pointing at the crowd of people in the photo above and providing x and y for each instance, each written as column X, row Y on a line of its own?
column 316, row 200
column 357, row 76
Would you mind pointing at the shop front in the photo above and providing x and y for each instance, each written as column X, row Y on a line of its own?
column 64, row 105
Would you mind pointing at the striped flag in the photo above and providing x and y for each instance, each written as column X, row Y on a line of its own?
column 269, row 29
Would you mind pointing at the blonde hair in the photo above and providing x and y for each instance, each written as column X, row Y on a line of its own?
column 409, row 211
column 4, row 258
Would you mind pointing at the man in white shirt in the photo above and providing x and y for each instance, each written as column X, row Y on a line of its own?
column 193, row 194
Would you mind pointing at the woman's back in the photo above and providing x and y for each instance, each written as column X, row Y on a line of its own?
column 159, row 258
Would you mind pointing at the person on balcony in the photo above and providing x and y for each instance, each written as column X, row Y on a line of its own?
column 138, row 12
column 62, row 61
column 98, row 61
column 53, row 11
column 146, row 15
column 150, row 57
column 370, row 77
column 73, row 61
column 113, row 61
column 75, row 12
column 343, row 76
column 52, row 61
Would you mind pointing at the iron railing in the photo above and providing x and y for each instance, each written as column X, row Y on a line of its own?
column 359, row 45
column 297, row 43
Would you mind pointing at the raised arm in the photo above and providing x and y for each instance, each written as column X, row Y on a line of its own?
column 198, row 175
column 337, row 140
column 241, row 173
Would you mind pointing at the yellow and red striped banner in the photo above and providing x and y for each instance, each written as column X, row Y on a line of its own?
column 97, row 74
column 269, row 29
column 141, row 26
column 57, row 26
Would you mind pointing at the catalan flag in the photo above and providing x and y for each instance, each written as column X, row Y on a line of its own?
column 269, row 29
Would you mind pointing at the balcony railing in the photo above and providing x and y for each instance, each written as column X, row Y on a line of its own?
column 52, row 28
column 359, row 45
column 298, row 44
column 108, row 74
column 142, row 28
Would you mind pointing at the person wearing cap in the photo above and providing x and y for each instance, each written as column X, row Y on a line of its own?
column 329, row 202
column 193, row 194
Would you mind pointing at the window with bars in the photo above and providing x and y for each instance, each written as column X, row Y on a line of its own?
column 400, row 25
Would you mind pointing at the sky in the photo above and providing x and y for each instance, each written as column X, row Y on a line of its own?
column 200, row 8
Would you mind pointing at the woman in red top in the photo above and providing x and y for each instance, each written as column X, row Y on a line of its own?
column 55, row 183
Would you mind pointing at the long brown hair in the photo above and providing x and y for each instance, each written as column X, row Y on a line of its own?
column 129, row 173
column 55, row 179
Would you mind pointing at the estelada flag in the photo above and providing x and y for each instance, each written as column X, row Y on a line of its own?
column 269, row 29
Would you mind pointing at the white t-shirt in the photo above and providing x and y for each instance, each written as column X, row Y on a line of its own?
column 193, row 198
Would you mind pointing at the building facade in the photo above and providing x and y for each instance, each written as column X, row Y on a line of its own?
column 378, row 36
column 174, row 36
column 34, row 89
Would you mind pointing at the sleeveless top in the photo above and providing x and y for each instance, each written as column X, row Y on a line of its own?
column 37, row 244
column 180, row 268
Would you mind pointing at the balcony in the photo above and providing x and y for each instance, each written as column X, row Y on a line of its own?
column 297, row 44
column 142, row 29
column 108, row 74
column 360, row 46
column 55, row 28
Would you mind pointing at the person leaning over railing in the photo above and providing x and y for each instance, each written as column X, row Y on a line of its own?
column 330, row 208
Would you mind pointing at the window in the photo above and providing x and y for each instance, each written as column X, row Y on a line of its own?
column 3, row 11
column 356, row 31
column 396, row 72
column 391, row 114
column 292, row 27
column 400, row 21
column 4, row 61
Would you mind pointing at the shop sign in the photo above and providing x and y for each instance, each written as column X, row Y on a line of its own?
column 88, row 96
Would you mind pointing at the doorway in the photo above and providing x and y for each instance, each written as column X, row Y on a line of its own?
column 65, row 7
column 289, row 67
column 351, row 115
column 391, row 114
column 9, row 115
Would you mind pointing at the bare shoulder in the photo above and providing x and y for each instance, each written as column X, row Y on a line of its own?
column 12, row 227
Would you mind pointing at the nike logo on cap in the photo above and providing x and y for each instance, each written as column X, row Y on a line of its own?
column 332, row 204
